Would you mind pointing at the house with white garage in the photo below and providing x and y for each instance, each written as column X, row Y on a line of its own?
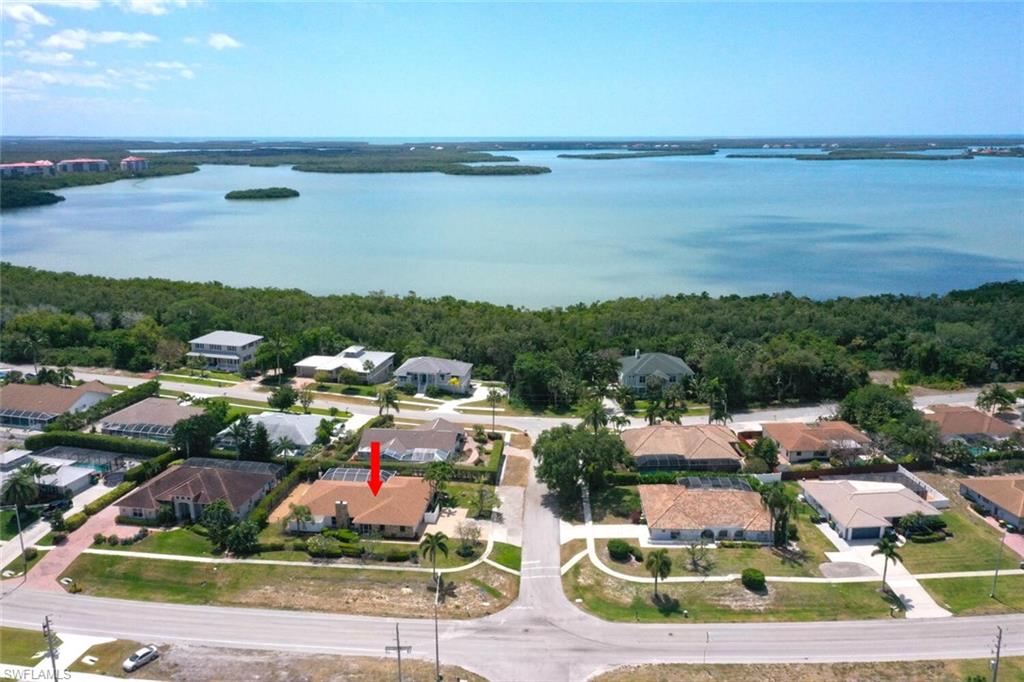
column 863, row 510
column 369, row 366
column 225, row 350
column 705, row 510
column 421, row 373
column 1000, row 496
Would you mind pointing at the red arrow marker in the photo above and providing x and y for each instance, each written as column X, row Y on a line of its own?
column 374, row 482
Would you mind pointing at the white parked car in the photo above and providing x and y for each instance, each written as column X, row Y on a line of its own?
column 140, row 658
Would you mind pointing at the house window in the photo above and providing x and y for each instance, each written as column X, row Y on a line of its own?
column 136, row 513
column 738, row 534
column 723, row 534
column 643, row 379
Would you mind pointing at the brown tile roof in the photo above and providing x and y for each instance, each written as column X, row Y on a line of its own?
column 672, row 507
column 47, row 398
column 704, row 441
column 156, row 411
column 960, row 420
column 1005, row 491
column 814, row 437
column 402, row 500
column 203, row 484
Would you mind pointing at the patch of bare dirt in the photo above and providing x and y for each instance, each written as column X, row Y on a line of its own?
column 521, row 441
column 517, row 471
column 202, row 664
column 896, row 671
column 742, row 599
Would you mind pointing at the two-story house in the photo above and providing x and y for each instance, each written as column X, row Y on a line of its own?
column 369, row 366
column 640, row 368
column 225, row 350
column 421, row 373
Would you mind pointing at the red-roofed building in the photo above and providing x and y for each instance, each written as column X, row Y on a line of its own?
column 134, row 164
column 42, row 167
column 83, row 165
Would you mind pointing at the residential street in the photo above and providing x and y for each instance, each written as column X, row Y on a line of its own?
column 542, row 636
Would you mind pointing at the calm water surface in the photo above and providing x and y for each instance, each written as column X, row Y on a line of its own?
column 589, row 230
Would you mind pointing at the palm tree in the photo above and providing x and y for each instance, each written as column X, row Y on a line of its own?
column 887, row 548
column 594, row 415
column 430, row 545
column 387, row 399
column 996, row 396
column 781, row 506
column 65, row 375
column 300, row 514
column 47, row 376
column 654, row 412
column 285, row 444
column 241, row 433
column 493, row 398
column 32, row 342
column 620, row 421
column 20, row 488
column 37, row 470
column 659, row 564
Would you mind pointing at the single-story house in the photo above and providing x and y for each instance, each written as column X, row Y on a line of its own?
column 31, row 406
column 13, row 459
column 69, row 477
column 1000, row 496
column 960, row 422
column 691, row 514
column 863, row 510
column 423, row 372
column 191, row 486
column 299, row 429
column 702, row 447
column 151, row 418
column 437, row 441
column 342, row 499
column 225, row 350
column 371, row 366
column 818, row 440
column 635, row 370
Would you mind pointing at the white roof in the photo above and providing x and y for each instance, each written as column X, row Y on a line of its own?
column 11, row 456
column 225, row 338
column 298, row 428
column 330, row 363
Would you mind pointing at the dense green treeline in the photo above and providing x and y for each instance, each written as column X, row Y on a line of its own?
column 610, row 156
column 857, row 155
column 761, row 348
column 36, row 190
column 12, row 196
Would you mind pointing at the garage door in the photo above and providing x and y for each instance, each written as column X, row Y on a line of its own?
column 863, row 533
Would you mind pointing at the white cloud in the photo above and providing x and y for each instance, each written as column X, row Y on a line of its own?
column 29, row 79
column 79, row 39
column 151, row 7
column 165, row 65
column 49, row 58
column 187, row 74
column 221, row 41
column 190, row 40
column 24, row 13
column 67, row 4
column 15, row 42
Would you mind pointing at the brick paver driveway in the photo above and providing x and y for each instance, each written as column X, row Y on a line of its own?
column 44, row 575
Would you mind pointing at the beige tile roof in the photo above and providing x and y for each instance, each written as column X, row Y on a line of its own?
column 1005, row 491
column 866, row 504
column 47, row 398
column 402, row 500
column 703, row 441
column 815, row 437
column 960, row 420
column 672, row 507
column 156, row 411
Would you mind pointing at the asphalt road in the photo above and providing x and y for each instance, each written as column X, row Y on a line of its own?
column 540, row 637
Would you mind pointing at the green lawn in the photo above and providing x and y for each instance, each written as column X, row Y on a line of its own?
column 178, row 541
column 969, row 596
column 18, row 565
column 208, row 373
column 973, row 547
column 185, row 379
column 619, row 600
column 723, row 561
column 20, row 645
column 382, row 593
column 507, row 555
column 9, row 523
column 110, row 655
column 463, row 494
column 611, row 505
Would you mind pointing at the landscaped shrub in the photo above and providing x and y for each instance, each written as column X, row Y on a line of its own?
column 113, row 539
column 620, row 550
column 135, row 521
column 59, row 537
column 494, row 435
column 479, row 435
column 407, row 389
column 925, row 538
column 200, row 529
column 465, row 551
column 270, row 547
column 342, row 535
column 435, row 391
column 329, row 548
column 637, row 553
column 75, row 521
column 792, row 533
column 299, row 546
column 101, row 502
column 95, row 441
column 753, row 580
column 816, row 518
column 31, row 553
column 127, row 541
column 738, row 544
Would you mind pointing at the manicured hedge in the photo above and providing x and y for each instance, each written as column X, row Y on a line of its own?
column 738, row 544
column 76, row 521
column 925, row 538
column 96, row 441
column 753, row 579
column 102, row 502
column 261, row 514
column 134, row 521
column 619, row 550
column 150, row 468
column 118, row 401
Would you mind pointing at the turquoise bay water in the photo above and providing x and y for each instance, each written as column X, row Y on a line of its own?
column 589, row 230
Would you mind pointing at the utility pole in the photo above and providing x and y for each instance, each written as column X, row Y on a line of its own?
column 998, row 652
column 437, row 644
column 399, row 649
column 999, row 560
column 48, row 634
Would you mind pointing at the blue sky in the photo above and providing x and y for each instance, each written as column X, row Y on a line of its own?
column 177, row 68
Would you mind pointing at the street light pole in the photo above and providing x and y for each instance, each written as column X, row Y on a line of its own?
column 999, row 560
column 48, row 633
column 399, row 649
column 999, row 650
